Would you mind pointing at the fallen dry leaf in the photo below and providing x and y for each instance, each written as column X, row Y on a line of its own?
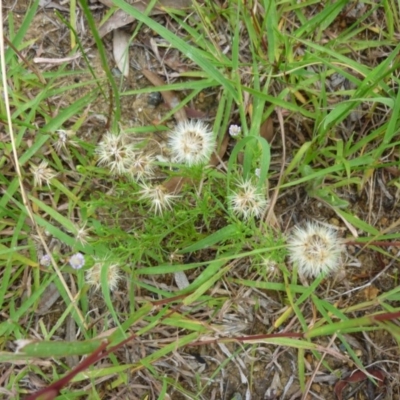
column 358, row 376
column 169, row 97
column 393, row 170
column 193, row 113
column 121, row 18
column 370, row 292
column 267, row 130
column 121, row 51
column 181, row 280
column 175, row 184
column 117, row 20
column 70, row 335
column 49, row 297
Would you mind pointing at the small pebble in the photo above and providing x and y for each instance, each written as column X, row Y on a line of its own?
column 316, row 388
column 116, row 73
column 154, row 99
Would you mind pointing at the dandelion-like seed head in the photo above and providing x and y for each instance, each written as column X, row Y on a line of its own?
column 115, row 153
column 64, row 139
column 247, row 200
column 315, row 249
column 158, row 196
column 77, row 261
column 235, row 130
column 82, row 234
column 191, row 143
column 93, row 275
column 267, row 267
column 42, row 173
column 141, row 167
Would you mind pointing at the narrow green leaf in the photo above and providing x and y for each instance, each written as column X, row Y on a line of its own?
column 60, row 348
column 223, row 234
column 65, row 222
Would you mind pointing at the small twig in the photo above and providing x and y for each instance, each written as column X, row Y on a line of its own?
column 367, row 284
column 311, row 380
column 56, row 61
column 26, row 62
column 388, row 243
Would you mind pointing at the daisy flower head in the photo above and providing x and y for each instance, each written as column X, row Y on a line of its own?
column 315, row 249
column 93, row 275
column 158, row 196
column 247, row 200
column 77, row 261
column 235, row 130
column 42, row 173
column 114, row 153
column 191, row 143
column 45, row 260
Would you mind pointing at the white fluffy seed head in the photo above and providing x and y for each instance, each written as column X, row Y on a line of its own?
column 315, row 249
column 42, row 173
column 64, row 139
column 93, row 275
column 81, row 234
column 191, row 143
column 140, row 167
column 158, row 196
column 247, row 200
column 115, row 153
